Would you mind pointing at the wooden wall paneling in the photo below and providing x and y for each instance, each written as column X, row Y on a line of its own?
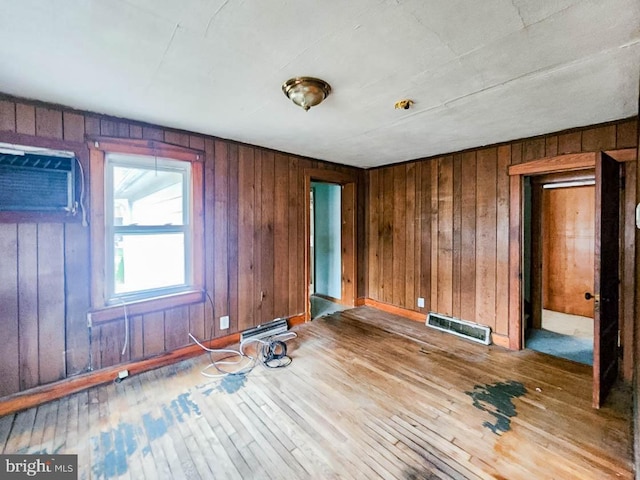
column 73, row 126
column 628, row 285
column 417, row 290
column 196, row 320
column 27, row 273
column 502, row 240
column 533, row 149
column 246, row 206
column 399, row 234
column 386, row 253
column 152, row 133
column 176, row 138
column 176, row 328
column 195, row 141
column 373, row 201
column 410, row 239
column 136, row 337
column 256, row 301
column 425, row 236
column 123, row 130
column 362, row 265
column 445, row 235
column 266, row 246
column 296, row 270
column 48, row 122
column 112, row 336
column 626, row 134
column 92, row 125
column 209, row 229
column 515, row 262
column 537, row 271
column 197, row 311
column 551, row 146
column 570, row 142
column 348, row 241
column 9, row 353
column 232, row 236
column 95, row 347
column 25, row 119
column 599, row 138
column 280, row 237
column 220, row 233
column 516, row 153
column 108, row 128
column 7, row 116
column 457, row 234
column 434, row 163
column 96, row 224
column 135, row 131
column 468, row 237
column 153, row 333
column 51, row 302
column 77, row 280
column 486, row 237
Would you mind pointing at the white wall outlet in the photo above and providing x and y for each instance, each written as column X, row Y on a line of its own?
column 420, row 302
column 224, row 322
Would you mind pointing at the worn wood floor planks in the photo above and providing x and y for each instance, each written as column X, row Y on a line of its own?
column 368, row 395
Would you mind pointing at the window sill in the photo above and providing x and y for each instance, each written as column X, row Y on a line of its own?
column 97, row 316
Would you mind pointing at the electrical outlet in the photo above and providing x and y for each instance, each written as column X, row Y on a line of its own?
column 420, row 302
column 224, row 322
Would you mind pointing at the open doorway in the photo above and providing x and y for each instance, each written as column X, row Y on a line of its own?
column 330, row 252
column 325, row 244
column 606, row 265
column 559, row 241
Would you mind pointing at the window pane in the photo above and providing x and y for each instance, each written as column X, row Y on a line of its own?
column 144, row 262
column 147, row 196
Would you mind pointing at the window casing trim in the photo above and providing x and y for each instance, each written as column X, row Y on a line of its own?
column 191, row 292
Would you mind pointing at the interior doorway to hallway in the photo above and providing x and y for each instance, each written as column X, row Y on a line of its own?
column 559, row 241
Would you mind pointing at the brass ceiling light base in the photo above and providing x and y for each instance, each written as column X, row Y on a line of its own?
column 306, row 92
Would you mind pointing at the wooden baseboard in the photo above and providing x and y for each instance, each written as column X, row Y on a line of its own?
column 500, row 340
column 403, row 312
column 360, row 301
column 296, row 320
column 53, row 391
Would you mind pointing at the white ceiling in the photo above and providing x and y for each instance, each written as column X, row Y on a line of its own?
column 480, row 72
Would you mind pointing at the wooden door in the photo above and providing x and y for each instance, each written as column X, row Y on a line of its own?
column 567, row 249
column 606, row 253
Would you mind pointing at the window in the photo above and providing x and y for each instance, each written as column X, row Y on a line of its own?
column 146, row 226
column 148, row 229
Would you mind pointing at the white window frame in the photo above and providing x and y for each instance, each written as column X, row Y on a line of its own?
column 104, row 308
column 147, row 163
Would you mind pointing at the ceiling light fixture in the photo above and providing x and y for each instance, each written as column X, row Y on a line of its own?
column 306, row 92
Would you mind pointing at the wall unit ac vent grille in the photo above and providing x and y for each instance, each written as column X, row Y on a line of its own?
column 31, row 182
column 470, row 331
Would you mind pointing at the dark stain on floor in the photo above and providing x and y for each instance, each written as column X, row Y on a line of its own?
column 497, row 400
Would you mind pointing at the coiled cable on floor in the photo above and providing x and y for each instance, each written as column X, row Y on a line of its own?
column 270, row 352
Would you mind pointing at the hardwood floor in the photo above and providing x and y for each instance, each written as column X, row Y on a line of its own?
column 368, row 395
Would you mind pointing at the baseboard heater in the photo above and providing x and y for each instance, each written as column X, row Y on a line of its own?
column 274, row 327
column 470, row 331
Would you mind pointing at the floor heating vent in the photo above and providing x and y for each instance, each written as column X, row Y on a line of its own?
column 468, row 330
column 279, row 325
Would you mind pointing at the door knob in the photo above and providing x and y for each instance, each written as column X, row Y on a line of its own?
column 589, row 296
